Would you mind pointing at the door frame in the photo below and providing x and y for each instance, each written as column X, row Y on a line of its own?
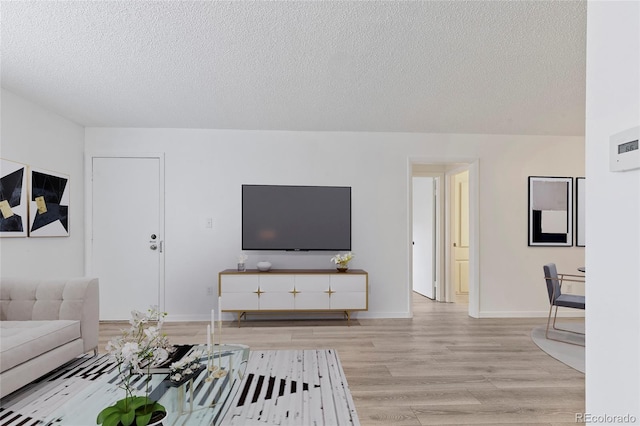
column 449, row 167
column 88, row 208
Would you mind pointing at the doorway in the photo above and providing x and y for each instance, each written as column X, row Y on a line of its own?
column 456, row 280
column 125, row 248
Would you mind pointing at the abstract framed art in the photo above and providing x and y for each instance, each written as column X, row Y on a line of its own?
column 550, row 211
column 13, row 199
column 580, row 211
column 48, row 204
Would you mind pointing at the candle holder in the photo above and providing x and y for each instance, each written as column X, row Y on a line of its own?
column 211, row 367
column 210, row 363
column 221, row 372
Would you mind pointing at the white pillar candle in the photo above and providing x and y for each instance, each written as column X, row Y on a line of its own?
column 220, row 322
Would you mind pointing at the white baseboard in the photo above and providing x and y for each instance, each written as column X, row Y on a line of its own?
column 569, row 313
column 380, row 315
column 293, row 316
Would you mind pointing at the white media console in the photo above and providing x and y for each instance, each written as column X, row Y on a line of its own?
column 293, row 290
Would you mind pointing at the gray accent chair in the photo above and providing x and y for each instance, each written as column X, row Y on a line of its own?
column 558, row 299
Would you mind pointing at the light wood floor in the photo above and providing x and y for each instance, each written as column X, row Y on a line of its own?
column 439, row 368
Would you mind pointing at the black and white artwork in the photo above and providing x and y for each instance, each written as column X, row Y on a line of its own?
column 48, row 204
column 13, row 199
column 580, row 211
column 550, row 211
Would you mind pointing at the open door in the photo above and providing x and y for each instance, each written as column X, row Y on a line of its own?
column 424, row 236
column 460, row 249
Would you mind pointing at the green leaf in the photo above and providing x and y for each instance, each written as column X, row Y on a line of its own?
column 138, row 401
column 158, row 407
column 127, row 418
column 143, row 420
column 150, row 408
column 106, row 413
column 112, row 420
column 123, row 404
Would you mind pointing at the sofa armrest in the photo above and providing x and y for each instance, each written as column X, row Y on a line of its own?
column 56, row 299
column 90, row 324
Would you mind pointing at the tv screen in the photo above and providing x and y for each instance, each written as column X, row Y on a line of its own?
column 281, row 217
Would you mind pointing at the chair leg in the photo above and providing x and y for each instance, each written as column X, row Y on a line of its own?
column 563, row 329
column 559, row 329
column 546, row 334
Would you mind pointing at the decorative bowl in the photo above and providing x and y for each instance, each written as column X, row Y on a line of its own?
column 263, row 266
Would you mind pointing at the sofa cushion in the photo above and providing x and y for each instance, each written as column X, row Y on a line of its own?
column 42, row 300
column 24, row 340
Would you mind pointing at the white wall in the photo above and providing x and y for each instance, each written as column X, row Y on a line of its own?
column 39, row 138
column 613, row 210
column 205, row 168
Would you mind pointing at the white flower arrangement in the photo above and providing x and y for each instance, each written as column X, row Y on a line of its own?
column 342, row 259
column 135, row 351
column 242, row 258
column 186, row 366
column 142, row 345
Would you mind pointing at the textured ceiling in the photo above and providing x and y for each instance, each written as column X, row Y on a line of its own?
column 511, row 67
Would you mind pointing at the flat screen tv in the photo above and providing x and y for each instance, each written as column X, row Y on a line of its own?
column 296, row 218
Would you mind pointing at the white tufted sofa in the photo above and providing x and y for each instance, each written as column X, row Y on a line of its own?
column 44, row 324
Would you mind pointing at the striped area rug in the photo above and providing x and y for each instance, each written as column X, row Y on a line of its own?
column 293, row 388
column 298, row 388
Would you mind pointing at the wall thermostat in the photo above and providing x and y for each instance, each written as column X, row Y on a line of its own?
column 623, row 150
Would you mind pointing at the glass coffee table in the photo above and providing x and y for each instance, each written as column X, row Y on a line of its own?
column 202, row 400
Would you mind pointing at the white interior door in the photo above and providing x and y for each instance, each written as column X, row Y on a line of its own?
column 461, row 233
column 127, row 224
column 424, row 232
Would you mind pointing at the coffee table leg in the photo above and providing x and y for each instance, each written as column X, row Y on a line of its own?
column 181, row 396
column 191, row 395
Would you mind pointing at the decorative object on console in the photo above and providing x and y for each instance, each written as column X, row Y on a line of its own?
column 241, row 262
column 342, row 261
column 13, row 199
column 550, row 211
column 263, row 266
column 136, row 351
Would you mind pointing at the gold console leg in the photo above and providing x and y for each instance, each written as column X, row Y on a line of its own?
column 240, row 315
